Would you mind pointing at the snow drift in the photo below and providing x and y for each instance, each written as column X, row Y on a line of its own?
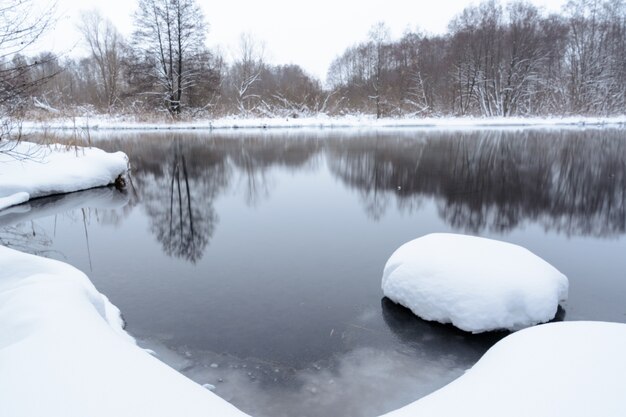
column 574, row 369
column 63, row 352
column 28, row 170
column 476, row 284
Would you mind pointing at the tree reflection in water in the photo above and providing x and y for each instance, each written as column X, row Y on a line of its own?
column 20, row 228
column 178, row 196
column 571, row 181
column 305, row 288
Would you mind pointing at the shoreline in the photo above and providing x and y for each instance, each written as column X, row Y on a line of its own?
column 113, row 123
column 65, row 340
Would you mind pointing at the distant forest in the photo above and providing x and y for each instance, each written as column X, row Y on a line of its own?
column 495, row 60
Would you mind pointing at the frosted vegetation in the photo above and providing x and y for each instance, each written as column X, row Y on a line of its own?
column 497, row 59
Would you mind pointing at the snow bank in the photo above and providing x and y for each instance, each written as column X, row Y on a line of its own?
column 104, row 198
column 28, row 170
column 63, row 352
column 14, row 199
column 574, row 369
column 106, row 122
column 476, row 284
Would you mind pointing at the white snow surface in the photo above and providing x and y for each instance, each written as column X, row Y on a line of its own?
column 106, row 122
column 14, row 199
column 63, row 352
column 29, row 170
column 477, row 284
column 574, row 369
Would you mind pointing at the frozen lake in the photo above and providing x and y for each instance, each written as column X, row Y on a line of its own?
column 252, row 261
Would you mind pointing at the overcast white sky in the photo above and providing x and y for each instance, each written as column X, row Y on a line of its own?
column 309, row 33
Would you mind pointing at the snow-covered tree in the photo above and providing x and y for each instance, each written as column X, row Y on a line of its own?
column 169, row 42
column 246, row 73
column 105, row 44
column 22, row 22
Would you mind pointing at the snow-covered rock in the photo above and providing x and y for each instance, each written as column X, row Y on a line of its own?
column 63, row 352
column 476, row 284
column 574, row 369
column 28, row 170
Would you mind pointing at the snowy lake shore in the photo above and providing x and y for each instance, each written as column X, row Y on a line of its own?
column 557, row 369
column 64, row 351
column 28, row 170
column 105, row 122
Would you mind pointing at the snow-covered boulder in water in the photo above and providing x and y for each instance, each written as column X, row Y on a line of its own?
column 476, row 284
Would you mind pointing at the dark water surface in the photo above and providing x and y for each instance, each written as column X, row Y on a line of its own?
column 252, row 261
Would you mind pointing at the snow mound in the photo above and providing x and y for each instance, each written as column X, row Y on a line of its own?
column 14, row 199
column 574, row 369
column 28, row 170
column 476, row 284
column 63, row 352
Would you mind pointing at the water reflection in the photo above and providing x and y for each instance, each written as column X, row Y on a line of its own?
column 433, row 339
column 20, row 230
column 276, row 242
column 428, row 356
column 573, row 182
column 178, row 196
column 253, row 157
column 568, row 181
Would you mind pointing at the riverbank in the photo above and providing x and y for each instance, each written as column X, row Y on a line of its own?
column 29, row 170
column 106, row 122
column 63, row 352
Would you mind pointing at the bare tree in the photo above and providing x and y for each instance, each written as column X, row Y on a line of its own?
column 379, row 36
column 22, row 22
column 595, row 56
column 169, row 39
column 247, row 72
column 497, row 59
column 105, row 45
column 360, row 73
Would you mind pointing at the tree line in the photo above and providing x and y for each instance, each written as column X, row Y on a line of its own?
column 495, row 60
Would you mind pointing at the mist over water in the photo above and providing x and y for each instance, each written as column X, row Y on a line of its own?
column 252, row 261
